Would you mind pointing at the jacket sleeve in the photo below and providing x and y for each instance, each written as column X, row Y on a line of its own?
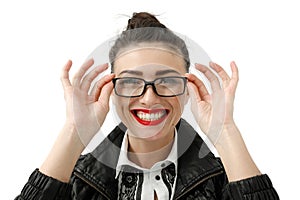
column 43, row 187
column 254, row 188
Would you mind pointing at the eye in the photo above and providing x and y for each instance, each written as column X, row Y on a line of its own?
column 169, row 81
column 129, row 82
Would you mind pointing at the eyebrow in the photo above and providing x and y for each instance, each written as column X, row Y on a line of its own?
column 139, row 73
column 158, row 73
column 163, row 72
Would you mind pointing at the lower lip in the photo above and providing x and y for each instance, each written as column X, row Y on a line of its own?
column 149, row 123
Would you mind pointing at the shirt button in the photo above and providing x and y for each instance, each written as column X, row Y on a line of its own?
column 163, row 165
column 157, row 177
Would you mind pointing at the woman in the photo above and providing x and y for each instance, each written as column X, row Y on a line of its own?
column 153, row 153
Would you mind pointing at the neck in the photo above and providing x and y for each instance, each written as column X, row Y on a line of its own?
column 146, row 153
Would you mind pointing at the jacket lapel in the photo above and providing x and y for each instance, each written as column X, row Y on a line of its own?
column 195, row 161
column 99, row 166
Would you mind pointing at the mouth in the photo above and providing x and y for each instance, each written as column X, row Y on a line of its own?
column 150, row 117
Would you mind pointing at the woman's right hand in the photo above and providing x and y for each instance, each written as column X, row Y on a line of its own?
column 86, row 111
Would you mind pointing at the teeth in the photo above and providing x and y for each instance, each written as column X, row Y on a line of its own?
column 150, row 117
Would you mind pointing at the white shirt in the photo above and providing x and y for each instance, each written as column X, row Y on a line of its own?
column 136, row 182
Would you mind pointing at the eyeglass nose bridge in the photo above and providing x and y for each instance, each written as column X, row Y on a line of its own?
column 151, row 83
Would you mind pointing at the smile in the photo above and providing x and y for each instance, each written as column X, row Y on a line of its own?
column 150, row 117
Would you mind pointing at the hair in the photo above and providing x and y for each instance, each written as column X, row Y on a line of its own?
column 144, row 27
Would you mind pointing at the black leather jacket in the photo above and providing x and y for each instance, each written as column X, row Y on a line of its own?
column 199, row 177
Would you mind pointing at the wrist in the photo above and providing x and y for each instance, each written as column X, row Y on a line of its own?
column 234, row 154
column 70, row 135
column 228, row 134
column 229, row 127
column 64, row 154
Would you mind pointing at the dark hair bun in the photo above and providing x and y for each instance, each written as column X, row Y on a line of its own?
column 143, row 19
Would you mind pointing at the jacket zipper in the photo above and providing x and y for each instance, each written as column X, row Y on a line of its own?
column 199, row 182
column 90, row 184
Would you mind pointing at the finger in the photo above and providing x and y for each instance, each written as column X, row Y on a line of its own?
column 78, row 76
column 235, row 72
column 193, row 91
column 203, row 92
column 65, row 74
column 213, row 79
column 88, row 79
column 97, row 89
column 106, row 92
column 221, row 72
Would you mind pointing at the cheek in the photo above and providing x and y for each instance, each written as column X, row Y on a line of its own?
column 122, row 104
column 178, row 105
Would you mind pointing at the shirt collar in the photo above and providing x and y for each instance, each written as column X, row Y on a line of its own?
column 123, row 158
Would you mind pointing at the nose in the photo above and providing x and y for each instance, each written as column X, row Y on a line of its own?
column 149, row 97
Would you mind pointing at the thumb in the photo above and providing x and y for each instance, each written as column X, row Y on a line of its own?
column 106, row 92
column 193, row 92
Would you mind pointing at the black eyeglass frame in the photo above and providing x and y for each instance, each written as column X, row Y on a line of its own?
column 151, row 83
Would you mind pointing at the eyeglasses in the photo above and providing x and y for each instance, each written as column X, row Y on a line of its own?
column 164, row 87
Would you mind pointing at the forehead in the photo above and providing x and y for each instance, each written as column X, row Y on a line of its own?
column 137, row 58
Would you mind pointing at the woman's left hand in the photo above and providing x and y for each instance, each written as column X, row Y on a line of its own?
column 206, row 106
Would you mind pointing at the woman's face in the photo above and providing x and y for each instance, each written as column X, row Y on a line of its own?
column 149, row 116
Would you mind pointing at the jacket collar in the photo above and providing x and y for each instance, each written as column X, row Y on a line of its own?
column 99, row 166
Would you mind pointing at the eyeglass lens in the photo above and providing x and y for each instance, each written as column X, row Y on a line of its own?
column 165, row 86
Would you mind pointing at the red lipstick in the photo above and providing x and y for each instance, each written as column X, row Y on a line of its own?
column 150, row 117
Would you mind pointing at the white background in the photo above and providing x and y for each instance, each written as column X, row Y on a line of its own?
column 38, row 37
